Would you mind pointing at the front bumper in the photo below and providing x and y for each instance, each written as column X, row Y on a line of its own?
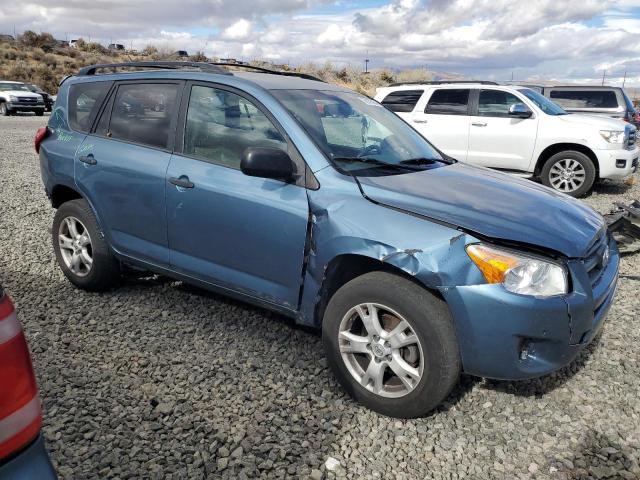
column 32, row 463
column 21, row 107
column 512, row 337
column 617, row 164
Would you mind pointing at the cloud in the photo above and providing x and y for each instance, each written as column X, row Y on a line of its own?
column 493, row 39
column 240, row 30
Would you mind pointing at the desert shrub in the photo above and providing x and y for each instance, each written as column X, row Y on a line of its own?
column 50, row 61
column 37, row 54
column 9, row 54
column 386, row 76
column 199, row 57
column 45, row 41
column 149, row 51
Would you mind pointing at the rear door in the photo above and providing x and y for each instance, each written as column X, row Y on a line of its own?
column 243, row 233
column 498, row 140
column 121, row 167
column 443, row 119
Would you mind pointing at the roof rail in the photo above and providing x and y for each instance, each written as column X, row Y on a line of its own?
column 444, row 82
column 163, row 65
column 209, row 67
column 268, row 70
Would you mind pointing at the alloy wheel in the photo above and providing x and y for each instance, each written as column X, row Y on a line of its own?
column 75, row 246
column 567, row 175
column 381, row 350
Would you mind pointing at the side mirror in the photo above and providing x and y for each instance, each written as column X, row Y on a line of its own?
column 519, row 110
column 267, row 162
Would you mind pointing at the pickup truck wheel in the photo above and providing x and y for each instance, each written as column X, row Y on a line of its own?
column 80, row 248
column 391, row 344
column 4, row 111
column 39, row 113
column 569, row 172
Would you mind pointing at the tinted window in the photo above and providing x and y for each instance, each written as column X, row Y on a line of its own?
column 402, row 100
column 84, row 101
column 452, row 101
column 585, row 98
column 221, row 125
column 142, row 113
column 495, row 103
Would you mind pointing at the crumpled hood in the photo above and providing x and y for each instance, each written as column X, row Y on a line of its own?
column 492, row 204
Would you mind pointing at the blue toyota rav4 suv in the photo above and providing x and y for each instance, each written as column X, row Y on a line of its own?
column 317, row 202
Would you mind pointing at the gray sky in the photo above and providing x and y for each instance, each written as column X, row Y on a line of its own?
column 554, row 40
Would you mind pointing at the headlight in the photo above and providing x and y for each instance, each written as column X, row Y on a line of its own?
column 13, row 98
column 519, row 273
column 613, row 136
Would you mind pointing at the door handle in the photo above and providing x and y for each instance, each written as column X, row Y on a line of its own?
column 182, row 182
column 479, row 124
column 88, row 159
column 420, row 120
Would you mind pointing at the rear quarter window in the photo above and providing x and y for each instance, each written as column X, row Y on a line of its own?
column 84, row 102
column 585, row 98
column 402, row 100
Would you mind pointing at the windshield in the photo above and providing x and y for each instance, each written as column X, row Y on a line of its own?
column 13, row 86
column 358, row 134
column 542, row 102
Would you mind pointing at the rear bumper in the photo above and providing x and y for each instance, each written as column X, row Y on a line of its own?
column 31, row 464
column 513, row 337
column 617, row 164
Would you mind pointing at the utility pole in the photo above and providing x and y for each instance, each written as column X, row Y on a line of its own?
column 512, row 76
column 624, row 79
column 604, row 72
column 366, row 63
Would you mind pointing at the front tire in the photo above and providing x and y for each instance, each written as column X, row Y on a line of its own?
column 4, row 111
column 569, row 172
column 81, row 250
column 39, row 113
column 391, row 344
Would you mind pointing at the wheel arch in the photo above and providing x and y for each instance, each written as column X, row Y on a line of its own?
column 551, row 150
column 346, row 267
column 62, row 193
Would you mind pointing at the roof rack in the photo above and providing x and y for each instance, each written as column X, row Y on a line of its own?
column 443, row 82
column 205, row 67
column 268, row 70
column 209, row 67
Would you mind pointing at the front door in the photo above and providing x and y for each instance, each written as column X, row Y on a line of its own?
column 239, row 232
column 498, row 140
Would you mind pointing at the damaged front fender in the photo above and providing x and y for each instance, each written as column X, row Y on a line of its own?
column 343, row 224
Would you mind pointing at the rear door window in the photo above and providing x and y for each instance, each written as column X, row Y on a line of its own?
column 449, row 101
column 402, row 100
column 495, row 103
column 142, row 113
column 84, row 102
column 585, row 98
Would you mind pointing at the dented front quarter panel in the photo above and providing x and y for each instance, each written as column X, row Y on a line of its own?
column 343, row 222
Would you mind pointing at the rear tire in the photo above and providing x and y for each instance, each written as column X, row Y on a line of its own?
column 569, row 172
column 402, row 375
column 81, row 250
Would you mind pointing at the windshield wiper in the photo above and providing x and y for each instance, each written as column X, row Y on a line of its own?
column 419, row 161
column 378, row 163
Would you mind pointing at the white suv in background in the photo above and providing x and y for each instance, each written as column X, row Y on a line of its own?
column 516, row 130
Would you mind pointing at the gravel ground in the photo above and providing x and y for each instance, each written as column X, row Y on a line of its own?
column 161, row 380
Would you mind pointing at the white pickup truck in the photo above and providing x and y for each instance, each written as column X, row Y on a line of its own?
column 16, row 97
column 517, row 130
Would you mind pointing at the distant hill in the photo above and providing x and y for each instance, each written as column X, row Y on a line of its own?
column 41, row 59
